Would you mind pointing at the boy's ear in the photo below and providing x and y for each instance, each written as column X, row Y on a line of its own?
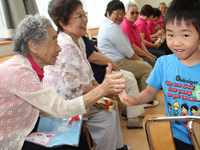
column 32, row 46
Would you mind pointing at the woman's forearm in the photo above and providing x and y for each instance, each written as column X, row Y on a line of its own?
column 88, row 88
column 138, row 51
column 148, row 44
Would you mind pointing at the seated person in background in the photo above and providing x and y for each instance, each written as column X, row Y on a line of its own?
column 156, row 34
column 72, row 76
column 154, row 30
column 132, row 32
column 160, row 23
column 145, row 15
column 22, row 95
column 98, row 62
column 114, row 44
column 183, row 37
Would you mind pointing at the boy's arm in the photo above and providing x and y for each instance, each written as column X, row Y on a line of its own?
column 143, row 97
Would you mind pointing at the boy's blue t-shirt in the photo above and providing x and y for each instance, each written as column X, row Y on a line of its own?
column 178, row 82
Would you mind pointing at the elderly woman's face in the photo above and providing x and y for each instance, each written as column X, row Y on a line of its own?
column 162, row 8
column 117, row 16
column 47, row 52
column 132, row 14
column 77, row 25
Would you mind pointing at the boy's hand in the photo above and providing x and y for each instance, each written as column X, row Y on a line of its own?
column 126, row 99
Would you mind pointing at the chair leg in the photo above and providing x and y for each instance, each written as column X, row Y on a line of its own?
column 91, row 142
column 89, row 138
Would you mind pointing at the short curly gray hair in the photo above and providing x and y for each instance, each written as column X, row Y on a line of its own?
column 30, row 28
column 129, row 4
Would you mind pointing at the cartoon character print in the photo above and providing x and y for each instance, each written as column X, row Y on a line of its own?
column 176, row 107
column 193, row 109
column 184, row 109
column 170, row 107
column 184, row 112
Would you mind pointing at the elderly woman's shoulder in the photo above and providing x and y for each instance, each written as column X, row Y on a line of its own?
column 14, row 62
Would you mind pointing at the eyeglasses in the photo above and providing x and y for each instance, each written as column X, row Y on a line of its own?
column 85, row 14
column 132, row 13
column 122, row 14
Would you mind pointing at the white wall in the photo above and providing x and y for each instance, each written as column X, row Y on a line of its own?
column 6, row 50
column 153, row 3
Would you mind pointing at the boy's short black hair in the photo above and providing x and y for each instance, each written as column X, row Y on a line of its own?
column 186, row 10
column 156, row 13
column 114, row 5
column 147, row 10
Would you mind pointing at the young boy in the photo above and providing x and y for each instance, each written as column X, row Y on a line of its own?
column 177, row 73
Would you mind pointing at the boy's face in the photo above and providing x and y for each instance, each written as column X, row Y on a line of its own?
column 183, row 40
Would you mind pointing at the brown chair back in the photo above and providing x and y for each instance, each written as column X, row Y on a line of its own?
column 159, row 133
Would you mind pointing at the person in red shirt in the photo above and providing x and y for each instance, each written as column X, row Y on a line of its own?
column 145, row 14
column 155, row 31
column 162, row 7
column 131, row 31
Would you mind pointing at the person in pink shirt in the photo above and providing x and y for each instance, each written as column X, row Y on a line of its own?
column 23, row 98
column 155, row 31
column 145, row 14
column 157, row 34
column 162, row 7
column 131, row 31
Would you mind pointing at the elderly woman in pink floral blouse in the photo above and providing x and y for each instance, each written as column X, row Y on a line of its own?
column 22, row 95
column 72, row 75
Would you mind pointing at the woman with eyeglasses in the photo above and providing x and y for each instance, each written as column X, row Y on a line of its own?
column 145, row 14
column 132, row 32
column 72, row 76
column 115, row 44
column 23, row 98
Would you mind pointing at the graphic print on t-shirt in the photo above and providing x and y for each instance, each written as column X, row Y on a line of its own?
column 181, row 102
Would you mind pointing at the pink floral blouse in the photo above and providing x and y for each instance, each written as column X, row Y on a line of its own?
column 72, row 71
column 22, row 96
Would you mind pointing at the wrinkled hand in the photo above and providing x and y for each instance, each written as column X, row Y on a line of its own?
column 125, row 98
column 141, row 59
column 156, row 45
column 115, row 67
column 111, row 83
column 151, row 58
